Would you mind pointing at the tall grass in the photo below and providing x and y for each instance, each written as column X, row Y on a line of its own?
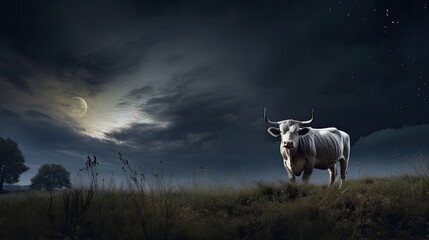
column 420, row 165
column 148, row 208
column 151, row 198
column 367, row 208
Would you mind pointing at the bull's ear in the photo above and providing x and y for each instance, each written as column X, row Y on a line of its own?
column 303, row 131
column 275, row 132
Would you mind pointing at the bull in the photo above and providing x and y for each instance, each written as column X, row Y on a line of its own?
column 304, row 148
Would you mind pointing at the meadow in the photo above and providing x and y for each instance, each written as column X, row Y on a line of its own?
column 368, row 208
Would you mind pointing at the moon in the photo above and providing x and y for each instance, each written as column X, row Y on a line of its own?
column 77, row 107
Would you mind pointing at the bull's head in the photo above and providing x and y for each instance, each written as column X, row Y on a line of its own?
column 290, row 130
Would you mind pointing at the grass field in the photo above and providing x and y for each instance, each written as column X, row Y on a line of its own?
column 370, row 208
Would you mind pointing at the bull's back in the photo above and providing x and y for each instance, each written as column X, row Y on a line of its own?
column 329, row 145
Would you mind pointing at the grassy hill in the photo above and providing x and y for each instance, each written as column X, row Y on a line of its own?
column 371, row 208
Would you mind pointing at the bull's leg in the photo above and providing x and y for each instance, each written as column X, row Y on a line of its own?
column 343, row 164
column 289, row 172
column 291, row 175
column 308, row 170
column 332, row 174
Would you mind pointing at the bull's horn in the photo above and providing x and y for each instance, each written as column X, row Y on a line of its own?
column 268, row 120
column 309, row 121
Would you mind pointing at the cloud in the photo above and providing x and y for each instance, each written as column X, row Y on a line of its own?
column 139, row 92
column 38, row 115
column 16, row 70
column 99, row 67
column 193, row 122
column 8, row 116
column 187, row 116
column 387, row 144
column 41, row 133
column 73, row 45
column 174, row 59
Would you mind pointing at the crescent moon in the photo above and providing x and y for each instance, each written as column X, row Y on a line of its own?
column 77, row 107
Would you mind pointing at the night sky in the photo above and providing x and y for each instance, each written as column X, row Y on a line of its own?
column 181, row 85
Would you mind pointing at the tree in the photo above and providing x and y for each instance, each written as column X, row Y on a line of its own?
column 11, row 162
column 51, row 176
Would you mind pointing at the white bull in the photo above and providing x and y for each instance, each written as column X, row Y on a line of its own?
column 306, row 148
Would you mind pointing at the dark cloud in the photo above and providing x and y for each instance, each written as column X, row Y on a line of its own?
column 101, row 66
column 7, row 115
column 15, row 72
column 139, row 92
column 173, row 60
column 76, row 42
column 38, row 115
column 390, row 151
column 123, row 104
column 388, row 144
column 195, row 122
column 352, row 64
column 182, row 81
column 43, row 133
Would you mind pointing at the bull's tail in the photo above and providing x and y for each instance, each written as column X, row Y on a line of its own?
column 345, row 161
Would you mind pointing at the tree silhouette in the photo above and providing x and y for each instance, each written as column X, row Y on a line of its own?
column 11, row 162
column 51, row 176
